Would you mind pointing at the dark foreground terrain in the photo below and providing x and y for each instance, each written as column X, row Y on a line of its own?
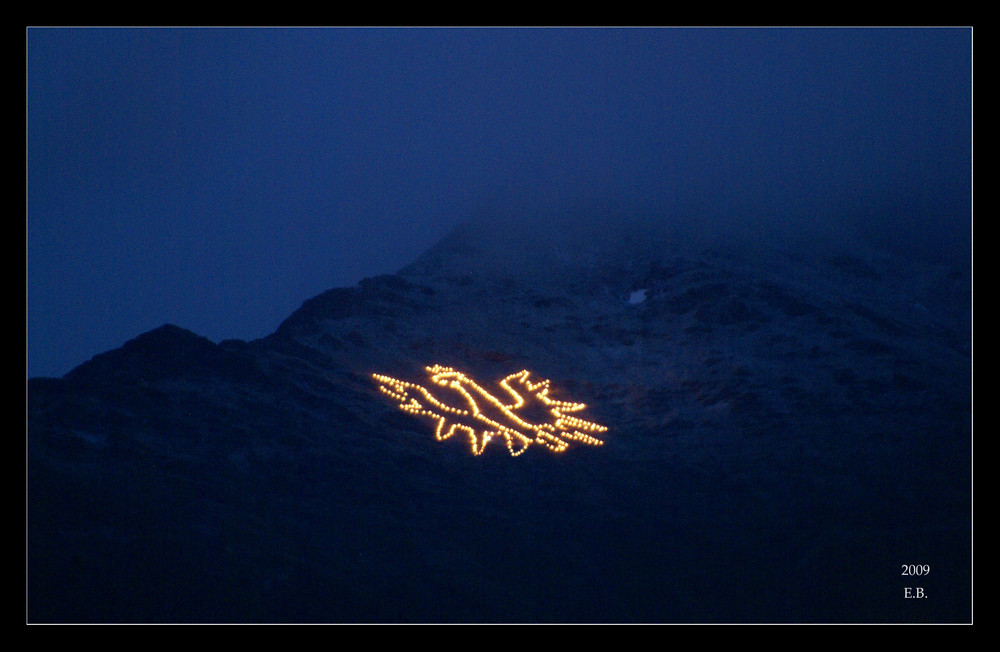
column 786, row 431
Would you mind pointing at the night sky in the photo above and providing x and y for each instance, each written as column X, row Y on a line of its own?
column 218, row 178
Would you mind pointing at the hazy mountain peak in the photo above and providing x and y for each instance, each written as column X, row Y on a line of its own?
column 765, row 406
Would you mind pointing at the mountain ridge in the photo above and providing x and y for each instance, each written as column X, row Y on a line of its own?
column 771, row 413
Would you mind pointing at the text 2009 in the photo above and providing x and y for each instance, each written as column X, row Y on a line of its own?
column 916, row 569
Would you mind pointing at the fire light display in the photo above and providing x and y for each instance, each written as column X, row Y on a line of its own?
column 459, row 404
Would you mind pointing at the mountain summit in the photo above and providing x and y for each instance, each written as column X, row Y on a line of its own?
column 784, row 432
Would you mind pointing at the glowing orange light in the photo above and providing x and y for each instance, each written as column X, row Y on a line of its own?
column 481, row 416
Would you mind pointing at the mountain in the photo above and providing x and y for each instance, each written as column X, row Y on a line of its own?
column 786, row 434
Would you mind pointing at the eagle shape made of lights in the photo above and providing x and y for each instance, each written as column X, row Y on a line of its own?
column 528, row 415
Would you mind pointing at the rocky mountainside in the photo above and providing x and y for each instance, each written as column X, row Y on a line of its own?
column 788, row 428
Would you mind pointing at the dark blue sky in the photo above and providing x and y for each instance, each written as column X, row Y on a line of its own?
column 216, row 179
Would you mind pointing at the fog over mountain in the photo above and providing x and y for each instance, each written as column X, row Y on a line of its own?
column 786, row 414
column 499, row 325
column 218, row 178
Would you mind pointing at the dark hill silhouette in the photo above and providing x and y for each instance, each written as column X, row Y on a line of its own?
column 786, row 430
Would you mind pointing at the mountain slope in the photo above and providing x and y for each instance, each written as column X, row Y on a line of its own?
column 786, row 429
